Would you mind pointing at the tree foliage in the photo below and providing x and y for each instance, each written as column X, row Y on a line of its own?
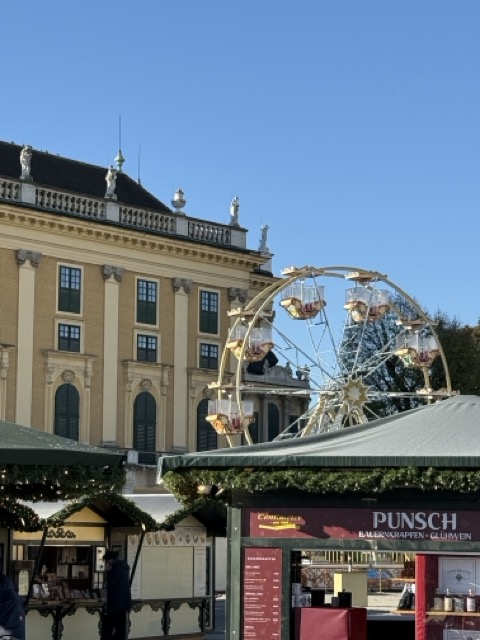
column 368, row 348
column 461, row 345
column 363, row 342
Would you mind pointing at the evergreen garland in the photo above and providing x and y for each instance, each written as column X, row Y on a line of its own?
column 184, row 484
column 125, row 505
column 58, row 482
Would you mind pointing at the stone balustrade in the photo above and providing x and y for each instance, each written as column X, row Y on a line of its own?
column 68, row 203
column 207, row 232
column 9, row 190
column 148, row 220
column 106, row 209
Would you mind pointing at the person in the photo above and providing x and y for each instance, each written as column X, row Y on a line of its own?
column 12, row 614
column 119, row 599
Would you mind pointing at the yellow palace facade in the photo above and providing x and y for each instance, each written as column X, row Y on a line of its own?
column 113, row 307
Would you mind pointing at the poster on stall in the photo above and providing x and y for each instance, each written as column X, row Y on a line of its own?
column 457, row 574
column 199, row 571
column 262, row 593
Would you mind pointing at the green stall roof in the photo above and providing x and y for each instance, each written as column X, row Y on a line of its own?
column 20, row 445
column 444, row 434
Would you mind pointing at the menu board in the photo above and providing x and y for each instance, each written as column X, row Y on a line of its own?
column 262, row 593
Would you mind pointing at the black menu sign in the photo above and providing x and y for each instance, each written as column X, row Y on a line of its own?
column 262, row 593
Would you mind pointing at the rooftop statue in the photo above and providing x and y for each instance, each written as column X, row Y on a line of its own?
column 234, row 211
column 111, row 180
column 26, row 162
column 263, row 240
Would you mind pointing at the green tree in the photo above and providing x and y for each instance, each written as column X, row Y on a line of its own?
column 374, row 342
column 461, row 345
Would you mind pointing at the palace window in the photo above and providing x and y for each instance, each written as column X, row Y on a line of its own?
column 206, row 434
column 147, row 298
column 68, row 337
column 69, row 289
column 67, row 411
column 147, row 348
column 208, row 356
column 209, row 311
column 144, row 422
column 273, row 421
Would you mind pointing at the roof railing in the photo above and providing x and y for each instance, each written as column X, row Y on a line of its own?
column 108, row 209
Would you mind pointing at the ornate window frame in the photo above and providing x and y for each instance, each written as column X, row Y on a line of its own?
column 73, row 368
column 151, row 377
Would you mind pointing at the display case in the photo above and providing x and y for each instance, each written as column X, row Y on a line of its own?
column 447, row 597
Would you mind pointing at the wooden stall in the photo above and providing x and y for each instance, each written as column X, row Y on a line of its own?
column 60, row 571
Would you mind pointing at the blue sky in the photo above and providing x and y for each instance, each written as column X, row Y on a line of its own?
column 350, row 127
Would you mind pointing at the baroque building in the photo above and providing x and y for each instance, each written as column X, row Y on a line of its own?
column 113, row 306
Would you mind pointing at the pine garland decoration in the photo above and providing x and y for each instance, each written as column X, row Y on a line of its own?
column 184, row 484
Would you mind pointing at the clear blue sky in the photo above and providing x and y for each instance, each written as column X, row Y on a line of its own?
column 350, row 127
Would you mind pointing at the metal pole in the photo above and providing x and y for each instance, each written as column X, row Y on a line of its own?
column 137, row 555
column 37, row 565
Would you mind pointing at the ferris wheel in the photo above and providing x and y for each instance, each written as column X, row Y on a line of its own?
column 341, row 345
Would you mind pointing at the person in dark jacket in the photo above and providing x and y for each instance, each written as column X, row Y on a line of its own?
column 119, row 599
column 12, row 614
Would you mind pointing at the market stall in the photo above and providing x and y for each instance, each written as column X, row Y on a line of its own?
column 404, row 484
column 60, row 567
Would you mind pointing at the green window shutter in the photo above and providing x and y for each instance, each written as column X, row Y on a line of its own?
column 209, row 312
column 273, row 421
column 144, row 426
column 146, row 302
column 69, row 289
column 67, row 412
column 206, row 434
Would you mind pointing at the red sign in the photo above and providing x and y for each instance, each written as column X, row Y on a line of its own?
column 262, row 593
column 370, row 524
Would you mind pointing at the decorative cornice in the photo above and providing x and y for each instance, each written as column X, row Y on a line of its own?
column 68, row 365
column 23, row 255
column 179, row 283
column 108, row 271
column 178, row 246
column 237, row 294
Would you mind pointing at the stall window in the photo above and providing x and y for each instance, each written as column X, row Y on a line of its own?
column 145, row 423
column 206, row 435
column 67, row 411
